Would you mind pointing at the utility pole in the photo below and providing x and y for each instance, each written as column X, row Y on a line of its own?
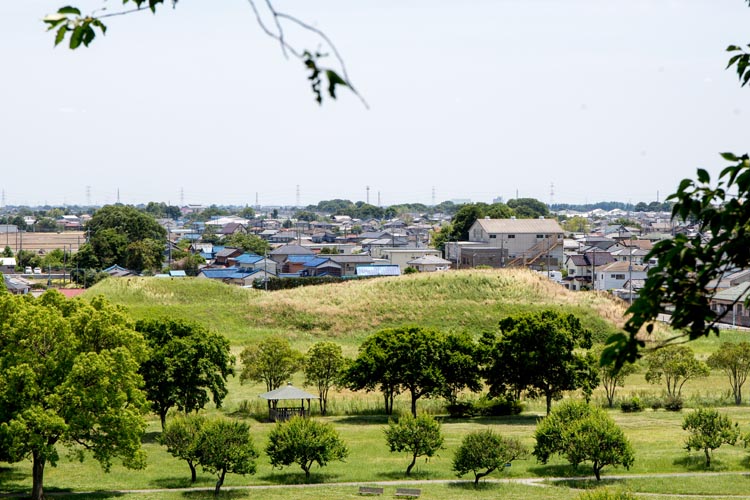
column 368, row 195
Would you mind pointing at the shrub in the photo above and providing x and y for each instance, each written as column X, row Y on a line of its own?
column 632, row 405
column 498, row 407
column 461, row 409
column 673, row 403
column 657, row 404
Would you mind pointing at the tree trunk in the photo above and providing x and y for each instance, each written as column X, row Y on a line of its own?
column 738, row 396
column 163, row 418
column 220, row 482
column 411, row 465
column 193, row 476
column 306, row 467
column 597, row 471
column 480, row 475
column 548, row 397
column 708, row 457
column 414, row 405
column 37, row 488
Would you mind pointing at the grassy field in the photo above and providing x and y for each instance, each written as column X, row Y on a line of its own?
column 471, row 301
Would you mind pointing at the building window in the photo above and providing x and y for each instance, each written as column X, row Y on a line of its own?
column 539, row 236
column 618, row 276
column 572, row 272
column 493, row 236
column 511, row 236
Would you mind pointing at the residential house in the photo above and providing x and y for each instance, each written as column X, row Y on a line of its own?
column 321, row 267
column 429, row 263
column 232, row 228
column 7, row 265
column 16, row 285
column 282, row 253
column 535, row 243
column 119, row 272
column 221, row 258
column 378, row 270
column 614, row 276
column 349, row 263
column 729, row 304
column 402, row 256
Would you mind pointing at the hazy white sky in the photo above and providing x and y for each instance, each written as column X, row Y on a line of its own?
column 608, row 100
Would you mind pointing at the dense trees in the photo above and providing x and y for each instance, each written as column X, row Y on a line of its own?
column 582, row 433
column 538, row 353
column 419, row 436
column 305, row 442
column 69, row 376
column 248, row 243
column 185, row 365
column 122, row 235
column 421, row 361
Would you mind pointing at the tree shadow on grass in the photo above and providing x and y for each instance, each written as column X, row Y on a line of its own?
column 468, row 485
column 505, row 420
column 209, row 493
column 181, row 482
column 290, row 478
column 365, row 419
column 559, row 470
column 12, row 474
column 151, row 437
column 400, row 475
column 66, row 494
column 586, row 484
column 697, row 463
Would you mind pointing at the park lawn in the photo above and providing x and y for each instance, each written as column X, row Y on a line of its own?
column 709, row 484
column 657, row 438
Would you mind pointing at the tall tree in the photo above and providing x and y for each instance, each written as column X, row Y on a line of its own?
column 187, row 363
column 408, row 357
column 69, row 376
column 272, row 361
column 675, row 365
column 539, row 353
column 734, row 360
column 324, row 365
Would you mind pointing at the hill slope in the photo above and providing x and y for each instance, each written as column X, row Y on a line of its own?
column 461, row 300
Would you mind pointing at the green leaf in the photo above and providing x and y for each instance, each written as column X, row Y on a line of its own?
column 703, row 176
column 729, row 156
column 732, row 48
column 76, row 38
column 333, row 80
column 69, row 10
column 60, row 35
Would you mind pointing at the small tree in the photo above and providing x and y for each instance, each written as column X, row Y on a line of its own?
column 483, row 452
column 708, row 430
column 611, row 378
column 225, row 446
column 272, row 361
column 734, row 360
column 180, row 437
column 324, row 364
column 420, row 436
column 305, row 442
column 677, row 364
column 580, row 433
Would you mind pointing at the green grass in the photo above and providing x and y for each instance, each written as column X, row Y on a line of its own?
column 471, row 301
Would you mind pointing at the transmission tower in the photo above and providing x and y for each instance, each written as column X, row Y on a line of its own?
column 368, row 195
column 551, row 194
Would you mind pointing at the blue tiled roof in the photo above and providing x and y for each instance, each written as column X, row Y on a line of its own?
column 300, row 259
column 207, row 256
column 315, row 262
column 289, row 275
column 219, row 273
column 248, row 258
column 218, row 248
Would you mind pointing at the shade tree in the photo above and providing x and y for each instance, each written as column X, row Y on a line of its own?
column 419, row 436
column 734, row 360
column 225, row 446
column 324, row 367
column 305, row 442
column 70, row 377
column 708, row 430
column 675, row 365
column 483, row 452
column 271, row 361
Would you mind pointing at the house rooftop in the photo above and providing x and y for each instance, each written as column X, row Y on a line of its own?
column 519, row 226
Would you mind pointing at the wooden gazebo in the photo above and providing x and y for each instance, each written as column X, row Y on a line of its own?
column 287, row 393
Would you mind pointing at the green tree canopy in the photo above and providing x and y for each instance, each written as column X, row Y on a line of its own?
column 69, row 376
column 179, row 436
column 419, row 436
column 734, row 360
column 676, row 365
column 407, row 358
column 582, row 433
column 538, row 353
column 272, row 361
column 483, row 452
column 247, row 242
column 324, row 365
column 528, row 208
column 304, row 441
column 187, row 363
column 225, row 446
column 708, row 430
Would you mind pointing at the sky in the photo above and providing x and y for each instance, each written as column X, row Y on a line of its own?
column 569, row 101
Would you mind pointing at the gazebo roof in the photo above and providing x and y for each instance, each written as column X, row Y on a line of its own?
column 287, row 392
